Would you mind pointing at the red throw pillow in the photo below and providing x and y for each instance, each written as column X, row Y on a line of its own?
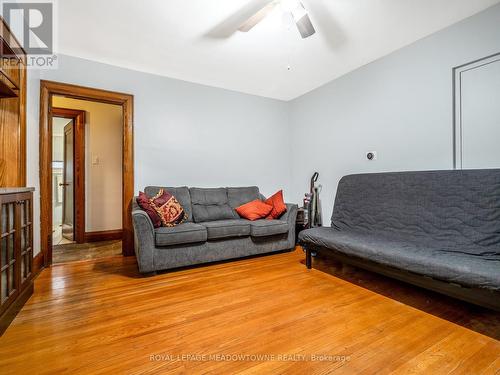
column 279, row 206
column 254, row 210
column 145, row 204
column 168, row 208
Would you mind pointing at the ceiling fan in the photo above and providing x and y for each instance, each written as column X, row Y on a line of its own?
column 293, row 7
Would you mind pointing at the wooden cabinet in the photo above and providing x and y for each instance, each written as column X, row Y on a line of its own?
column 10, row 80
column 16, row 251
column 13, row 62
column 16, row 204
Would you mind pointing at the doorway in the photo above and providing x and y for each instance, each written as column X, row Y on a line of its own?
column 87, row 149
column 68, row 175
column 71, row 222
column 477, row 114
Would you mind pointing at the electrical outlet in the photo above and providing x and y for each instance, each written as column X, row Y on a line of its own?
column 371, row 155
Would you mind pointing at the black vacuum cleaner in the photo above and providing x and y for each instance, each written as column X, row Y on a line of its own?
column 312, row 204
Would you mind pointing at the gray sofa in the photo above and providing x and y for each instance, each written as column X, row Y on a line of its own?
column 438, row 229
column 212, row 232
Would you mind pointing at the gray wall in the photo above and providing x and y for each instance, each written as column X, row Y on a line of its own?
column 185, row 133
column 189, row 134
column 399, row 106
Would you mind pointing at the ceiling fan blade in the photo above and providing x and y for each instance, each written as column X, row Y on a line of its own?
column 257, row 17
column 305, row 26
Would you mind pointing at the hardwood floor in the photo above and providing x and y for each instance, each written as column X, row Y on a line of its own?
column 101, row 317
column 73, row 252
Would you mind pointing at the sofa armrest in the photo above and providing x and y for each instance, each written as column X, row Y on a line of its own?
column 291, row 213
column 290, row 216
column 144, row 237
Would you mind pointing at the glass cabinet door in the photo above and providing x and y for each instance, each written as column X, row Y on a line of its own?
column 8, row 262
column 16, row 246
column 26, row 239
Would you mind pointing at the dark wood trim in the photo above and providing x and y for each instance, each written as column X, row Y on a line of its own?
column 49, row 89
column 22, row 128
column 38, row 264
column 45, row 142
column 10, row 313
column 104, row 235
column 68, row 131
column 78, row 118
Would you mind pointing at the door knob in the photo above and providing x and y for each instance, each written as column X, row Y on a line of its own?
column 65, row 184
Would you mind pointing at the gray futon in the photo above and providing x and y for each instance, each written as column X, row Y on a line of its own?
column 443, row 225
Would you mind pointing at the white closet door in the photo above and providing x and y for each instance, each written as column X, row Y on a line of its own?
column 480, row 115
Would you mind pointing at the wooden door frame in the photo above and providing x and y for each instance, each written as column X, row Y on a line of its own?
column 47, row 90
column 78, row 118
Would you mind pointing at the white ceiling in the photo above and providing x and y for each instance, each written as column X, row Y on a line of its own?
column 194, row 40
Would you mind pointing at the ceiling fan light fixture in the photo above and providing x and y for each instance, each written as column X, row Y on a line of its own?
column 305, row 27
column 293, row 7
column 298, row 12
column 302, row 20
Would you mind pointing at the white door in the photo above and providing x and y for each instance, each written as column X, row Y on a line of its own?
column 479, row 115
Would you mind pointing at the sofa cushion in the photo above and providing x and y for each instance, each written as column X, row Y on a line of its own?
column 210, row 204
column 180, row 193
column 227, row 228
column 263, row 228
column 180, row 234
column 254, row 210
column 279, row 206
column 456, row 264
column 240, row 195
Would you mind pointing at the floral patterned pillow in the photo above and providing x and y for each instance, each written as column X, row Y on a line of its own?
column 168, row 208
column 144, row 202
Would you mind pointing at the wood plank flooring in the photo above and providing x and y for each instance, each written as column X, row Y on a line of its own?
column 264, row 315
column 74, row 252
